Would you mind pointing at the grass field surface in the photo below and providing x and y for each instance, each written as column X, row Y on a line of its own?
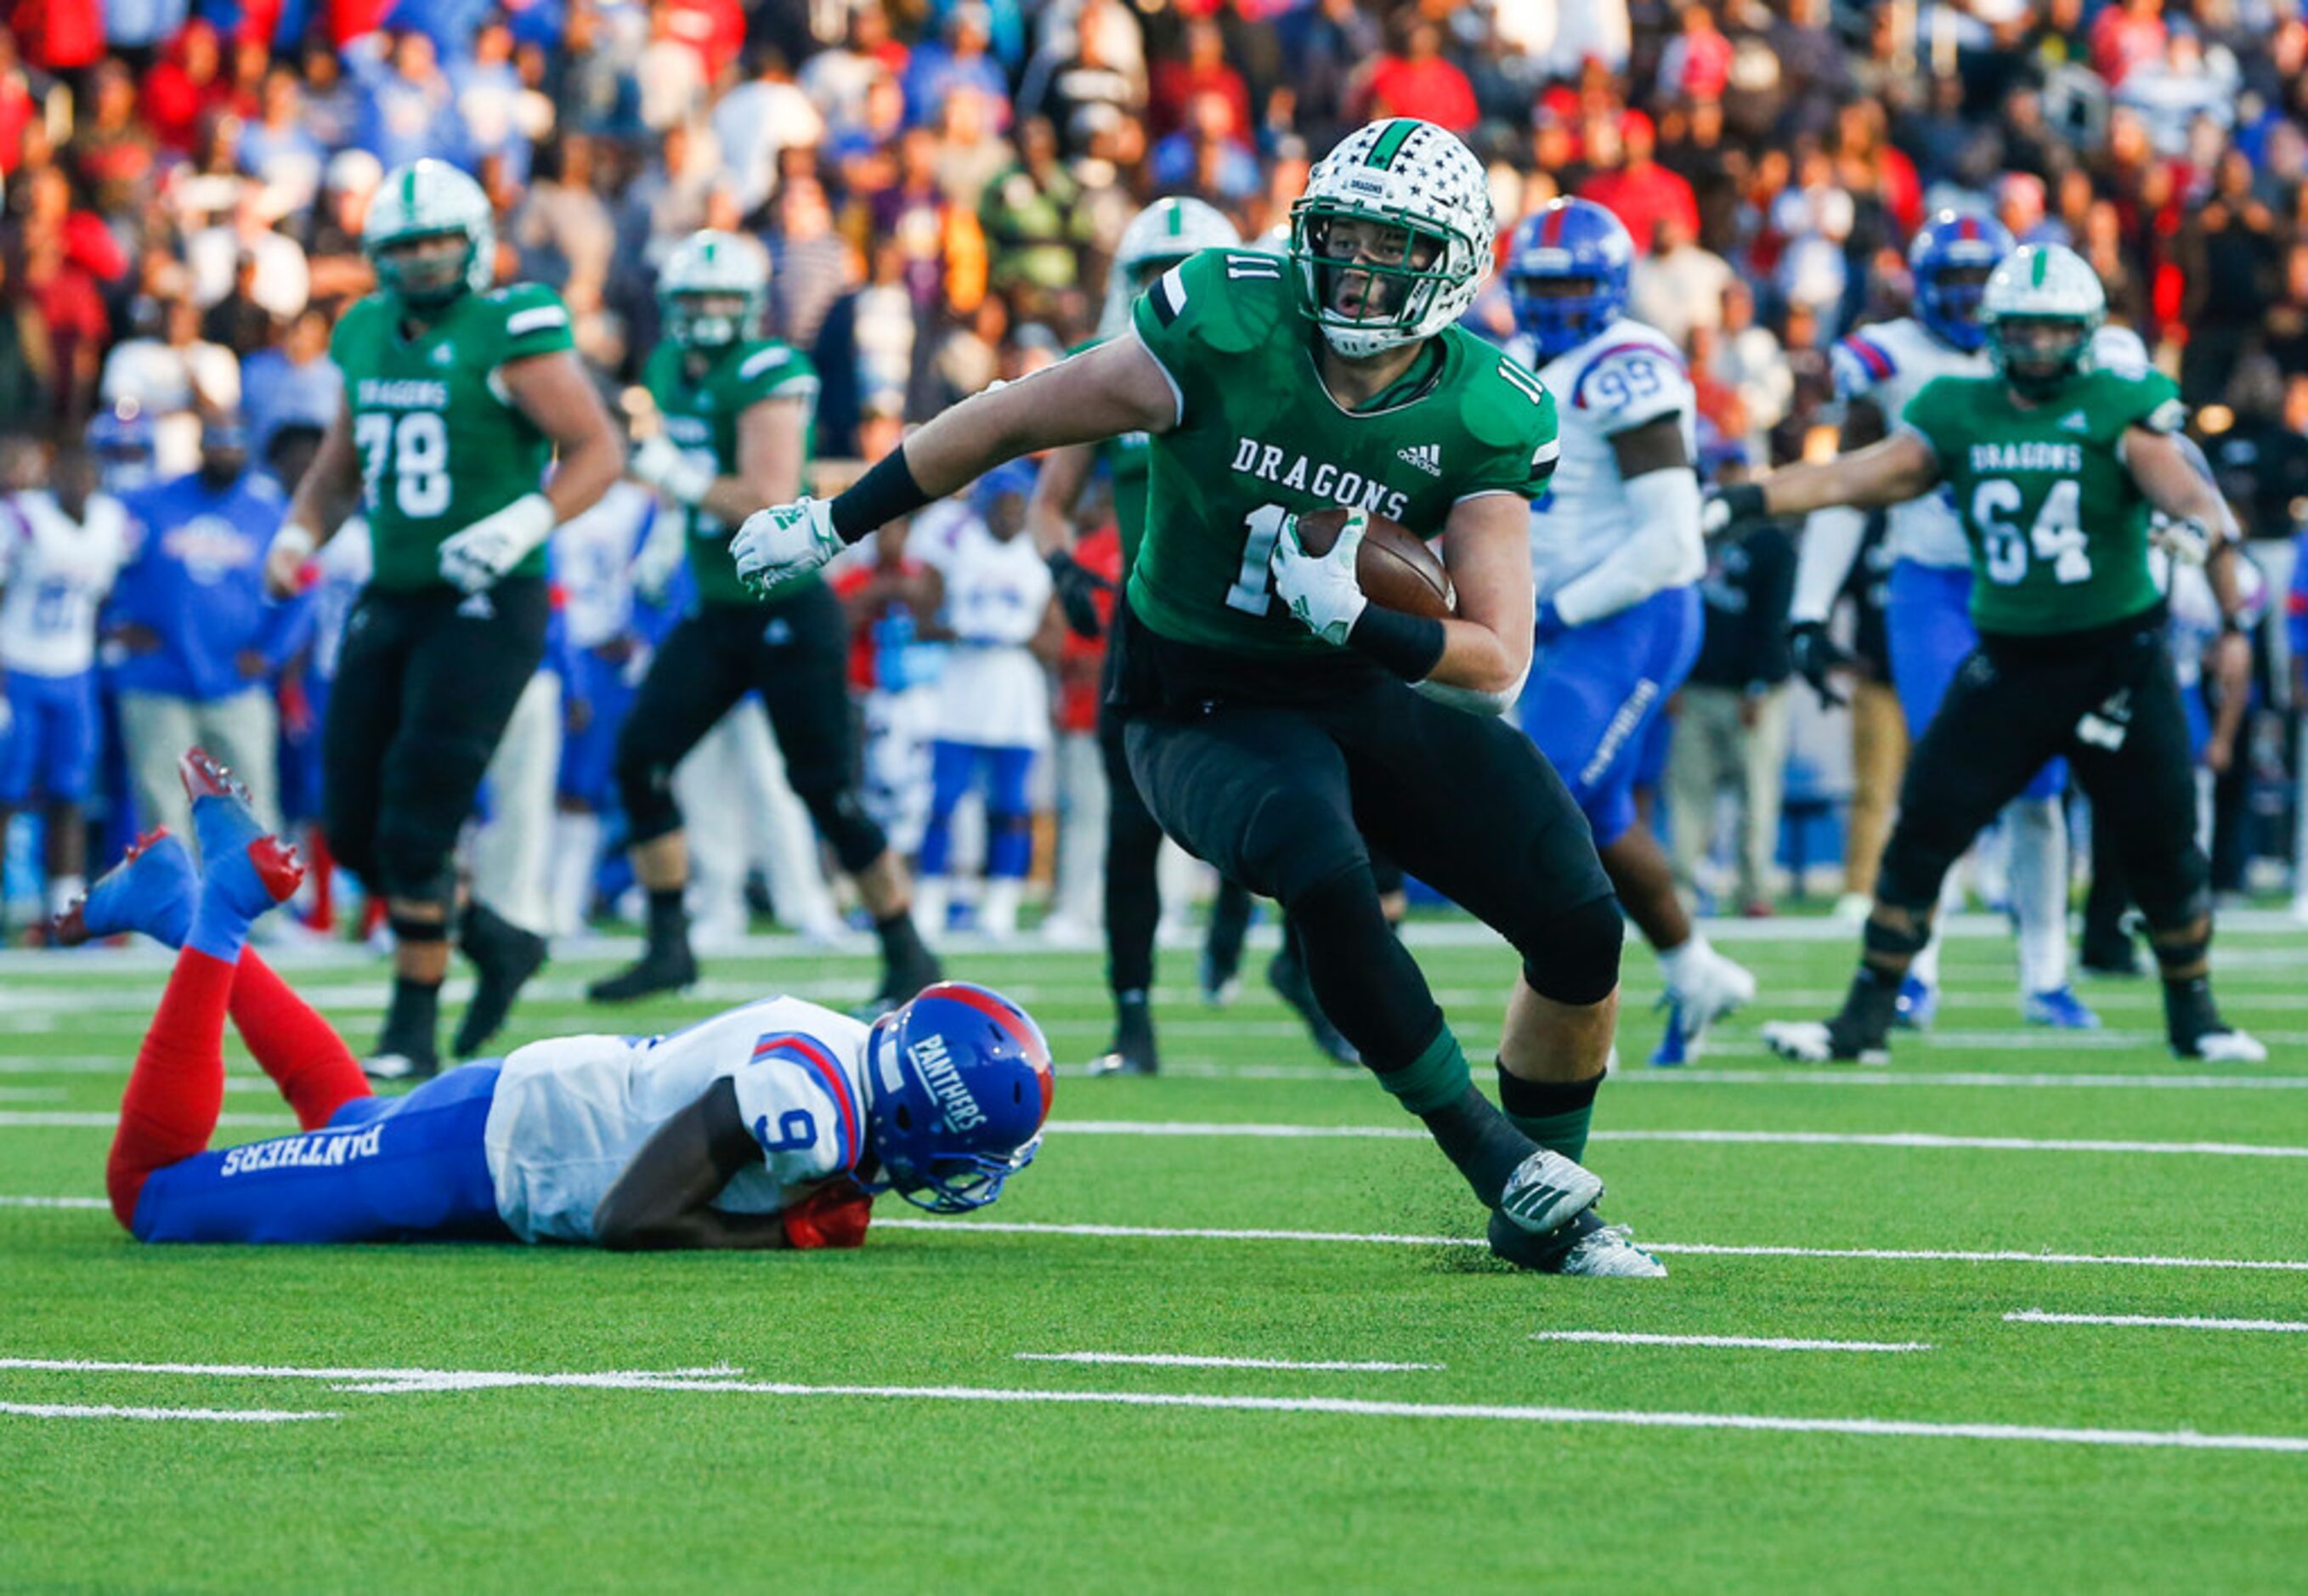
column 2022, row 1311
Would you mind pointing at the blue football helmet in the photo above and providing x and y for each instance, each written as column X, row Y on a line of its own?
column 1568, row 240
column 1961, row 241
column 960, row 1082
column 126, row 446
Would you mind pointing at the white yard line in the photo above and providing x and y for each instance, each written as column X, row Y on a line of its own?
column 209, row 1415
column 1695, row 1248
column 1760, row 1343
column 1924, row 1140
column 1186, row 1360
column 2155, row 1322
column 1847, row 1077
column 1383, row 1238
column 42, row 1119
column 713, row 1382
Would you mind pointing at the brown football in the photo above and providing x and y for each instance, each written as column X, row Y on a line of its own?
column 1396, row 568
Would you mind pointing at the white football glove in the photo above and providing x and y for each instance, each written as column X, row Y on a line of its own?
column 784, row 542
column 1321, row 593
column 473, row 560
column 2185, row 538
column 666, row 466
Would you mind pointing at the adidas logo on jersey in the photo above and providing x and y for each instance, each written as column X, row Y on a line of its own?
column 443, row 354
column 2075, row 421
column 1427, row 457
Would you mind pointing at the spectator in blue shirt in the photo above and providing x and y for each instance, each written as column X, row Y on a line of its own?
column 489, row 94
column 407, row 109
column 279, row 151
column 961, row 61
column 295, row 381
column 195, row 641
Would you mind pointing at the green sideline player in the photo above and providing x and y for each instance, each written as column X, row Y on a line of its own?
column 2054, row 467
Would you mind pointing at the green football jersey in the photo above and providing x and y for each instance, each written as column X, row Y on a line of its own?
column 702, row 416
column 1124, row 456
column 2058, row 528
column 1260, row 437
column 441, row 442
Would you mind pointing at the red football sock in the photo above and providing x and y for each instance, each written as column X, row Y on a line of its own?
column 308, row 1060
column 177, row 1089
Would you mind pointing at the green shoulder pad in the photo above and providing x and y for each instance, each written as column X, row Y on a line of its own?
column 1227, row 300
column 1935, row 405
column 764, row 369
column 1501, row 404
column 2146, row 399
column 353, row 341
column 526, row 319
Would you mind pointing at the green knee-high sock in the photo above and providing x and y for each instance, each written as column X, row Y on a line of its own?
column 1554, row 1113
column 1473, row 1135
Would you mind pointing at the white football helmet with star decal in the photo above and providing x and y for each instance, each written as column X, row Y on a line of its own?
column 1393, row 236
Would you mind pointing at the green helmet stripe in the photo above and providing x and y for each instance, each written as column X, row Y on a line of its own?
column 2043, row 264
column 1389, row 143
column 1177, row 219
column 409, row 191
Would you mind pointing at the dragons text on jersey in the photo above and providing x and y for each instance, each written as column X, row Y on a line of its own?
column 441, row 442
column 701, row 415
column 1261, row 438
column 2057, row 527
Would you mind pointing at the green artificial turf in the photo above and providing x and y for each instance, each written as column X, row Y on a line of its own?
column 526, row 1487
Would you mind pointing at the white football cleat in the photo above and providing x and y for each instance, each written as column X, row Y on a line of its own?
column 1610, row 1251
column 1547, row 1191
column 1705, row 988
column 2228, row 1047
column 1811, row 1042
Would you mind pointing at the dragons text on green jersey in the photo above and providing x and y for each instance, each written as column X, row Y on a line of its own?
column 1260, row 437
column 2058, row 528
column 441, row 442
column 701, row 415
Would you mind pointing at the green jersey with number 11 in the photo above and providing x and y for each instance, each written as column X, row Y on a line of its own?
column 441, row 442
column 2057, row 527
column 701, row 415
column 1260, row 437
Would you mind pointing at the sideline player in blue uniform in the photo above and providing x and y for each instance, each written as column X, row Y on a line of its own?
column 1617, row 555
column 772, row 1125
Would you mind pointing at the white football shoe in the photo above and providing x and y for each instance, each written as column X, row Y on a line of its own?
column 2228, row 1047
column 1705, row 987
column 1811, row 1041
column 1547, row 1191
column 1610, row 1251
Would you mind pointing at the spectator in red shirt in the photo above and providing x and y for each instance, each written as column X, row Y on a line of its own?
column 2128, row 34
column 1420, row 82
column 1639, row 191
column 18, row 103
column 187, row 85
column 1696, row 64
column 1205, row 70
column 60, row 36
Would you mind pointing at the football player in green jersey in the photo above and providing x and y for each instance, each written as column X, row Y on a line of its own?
column 2055, row 467
column 458, row 397
column 1273, row 716
column 737, row 408
column 1158, row 239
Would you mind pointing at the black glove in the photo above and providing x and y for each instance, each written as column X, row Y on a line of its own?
column 1815, row 658
column 1077, row 587
column 1728, row 509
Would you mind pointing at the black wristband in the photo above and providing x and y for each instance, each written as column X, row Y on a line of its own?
column 1744, row 501
column 1410, row 645
column 884, row 493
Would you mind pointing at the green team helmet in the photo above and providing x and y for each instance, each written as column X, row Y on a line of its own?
column 1393, row 236
column 429, row 199
column 714, row 289
column 1158, row 239
column 2040, row 309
